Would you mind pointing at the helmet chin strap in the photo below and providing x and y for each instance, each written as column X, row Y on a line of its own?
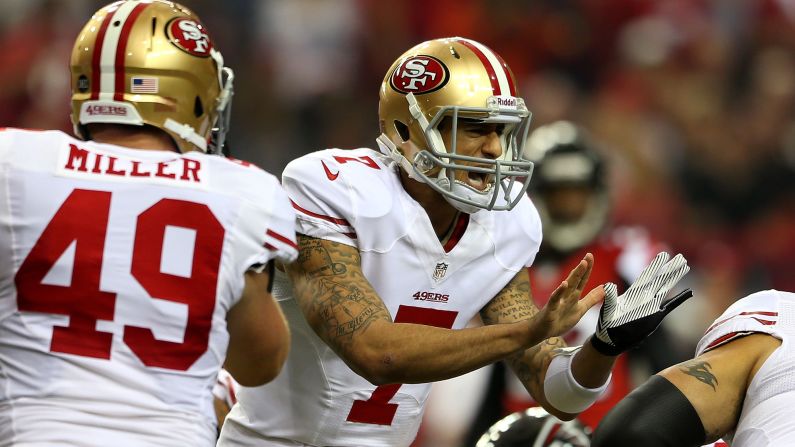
column 390, row 149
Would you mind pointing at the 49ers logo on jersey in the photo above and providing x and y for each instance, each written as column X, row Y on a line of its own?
column 189, row 36
column 419, row 74
column 431, row 296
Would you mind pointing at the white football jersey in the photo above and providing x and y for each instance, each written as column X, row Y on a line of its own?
column 766, row 417
column 355, row 197
column 117, row 269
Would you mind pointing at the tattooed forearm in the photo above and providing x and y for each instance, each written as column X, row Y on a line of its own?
column 336, row 298
column 530, row 365
column 513, row 303
column 317, row 259
column 345, row 309
column 700, row 370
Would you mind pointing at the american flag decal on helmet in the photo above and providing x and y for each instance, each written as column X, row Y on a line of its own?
column 143, row 85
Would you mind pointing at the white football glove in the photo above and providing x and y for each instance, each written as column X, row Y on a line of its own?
column 626, row 320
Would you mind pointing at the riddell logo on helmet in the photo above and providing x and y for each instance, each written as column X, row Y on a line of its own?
column 419, row 74
column 189, row 36
column 506, row 101
column 98, row 109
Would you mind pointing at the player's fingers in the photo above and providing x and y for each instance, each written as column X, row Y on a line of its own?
column 594, row 297
column 558, row 294
column 587, row 274
column 650, row 272
column 678, row 299
column 610, row 299
column 576, row 274
column 674, row 271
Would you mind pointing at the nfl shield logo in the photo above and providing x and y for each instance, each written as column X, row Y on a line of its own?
column 439, row 271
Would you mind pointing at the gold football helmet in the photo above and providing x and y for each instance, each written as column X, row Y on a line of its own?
column 460, row 79
column 151, row 62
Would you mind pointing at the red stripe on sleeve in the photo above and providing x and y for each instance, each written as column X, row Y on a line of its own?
column 96, row 73
column 121, row 50
column 281, row 238
column 765, row 313
column 725, row 339
column 335, row 220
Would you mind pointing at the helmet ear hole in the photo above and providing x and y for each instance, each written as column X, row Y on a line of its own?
column 402, row 130
column 198, row 109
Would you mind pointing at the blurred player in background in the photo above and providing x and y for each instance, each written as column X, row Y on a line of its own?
column 134, row 256
column 400, row 248
column 570, row 191
column 740, row 386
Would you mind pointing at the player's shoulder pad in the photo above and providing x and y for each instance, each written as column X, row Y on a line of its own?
column 14, row 134
column 525, row 216
column 516, row 233
column 238, row 177
column 354, row 182
column 755, row 313
column 24, row 142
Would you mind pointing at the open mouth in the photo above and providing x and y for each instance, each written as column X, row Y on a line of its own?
column 479, row 180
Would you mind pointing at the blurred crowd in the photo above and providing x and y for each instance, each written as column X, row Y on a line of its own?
column 692, row 101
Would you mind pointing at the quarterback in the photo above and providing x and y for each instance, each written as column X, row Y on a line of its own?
column 400, row 247
column 135, row 260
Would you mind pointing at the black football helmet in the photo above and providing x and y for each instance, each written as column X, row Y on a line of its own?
column 535, row 427
column 569, row 186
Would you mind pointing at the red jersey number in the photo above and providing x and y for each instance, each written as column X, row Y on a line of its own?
column 82, row 221
column 377, row 409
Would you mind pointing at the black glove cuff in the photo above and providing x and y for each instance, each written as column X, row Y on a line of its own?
column 604, row 348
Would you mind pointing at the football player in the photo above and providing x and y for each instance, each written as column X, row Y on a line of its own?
column 569, row 188
column 739, row 386
column 135, row 260
column 400, row 247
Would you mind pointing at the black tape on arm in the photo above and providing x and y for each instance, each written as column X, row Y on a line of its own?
column 656, row 414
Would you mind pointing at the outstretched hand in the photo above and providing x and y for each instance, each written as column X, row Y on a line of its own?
column 626, row 320
column 565, row 308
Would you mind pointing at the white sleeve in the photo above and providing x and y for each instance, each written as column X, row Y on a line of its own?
column 7, row 296
column 225, row 388
column 323, row 206
column 530, row 221
column 269, row 228
column 756, row 313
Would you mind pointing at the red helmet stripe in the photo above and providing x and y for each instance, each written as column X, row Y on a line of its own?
column 501, row 83
column 95, row 58
column 505, row 69
column 121, row 50
column 495, row 85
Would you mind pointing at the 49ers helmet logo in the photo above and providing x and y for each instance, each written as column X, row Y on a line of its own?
column 419, row 74
column 189, row 36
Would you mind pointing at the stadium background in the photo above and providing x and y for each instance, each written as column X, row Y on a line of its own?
column 693, row 101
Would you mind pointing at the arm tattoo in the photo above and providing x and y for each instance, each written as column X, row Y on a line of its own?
column 513, row 303
column 530, row 365
column 700, row 370
column 336, row 298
